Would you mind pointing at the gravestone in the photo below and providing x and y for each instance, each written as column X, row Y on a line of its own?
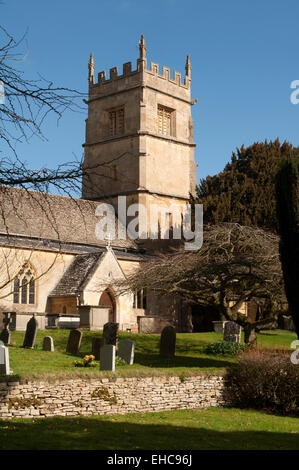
column 97, row 343
column 219, row 326
column 4, row 361
column 5, row 333
column 30, row 334
column 110, row 333
column 74, row 342
column 107, row 357
column 7, row 318
column 232, row 332
column 126, row 350
column 5, row 336
column 48, row 343
column 288, row 323
column 167, row 342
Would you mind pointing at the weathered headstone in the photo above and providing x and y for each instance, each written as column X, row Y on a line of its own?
column 167, row 342
column 74, row 342
column 110, row 333
column 7, row 318
column 97, row 343
column 107, row 357
column 48, row 343
column 126, row 350
column 288, row 323
column 232, row 332
column 53, row 320
column 5, row 336
column 4, row 360
column 30, row 334
column 219, row 326
column 5, row 333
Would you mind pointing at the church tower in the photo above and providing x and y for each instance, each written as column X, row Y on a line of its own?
column 139, row 135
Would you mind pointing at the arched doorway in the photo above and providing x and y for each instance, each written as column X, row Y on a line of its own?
column 107, row 300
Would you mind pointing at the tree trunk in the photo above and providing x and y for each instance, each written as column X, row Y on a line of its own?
column 250, row 337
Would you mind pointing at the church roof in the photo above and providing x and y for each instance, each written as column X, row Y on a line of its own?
column 52, row 218
column 81, row 269
column 77, row 273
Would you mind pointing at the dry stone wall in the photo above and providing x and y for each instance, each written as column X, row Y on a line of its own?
column 109, row 396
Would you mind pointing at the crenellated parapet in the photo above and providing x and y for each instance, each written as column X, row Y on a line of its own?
column 114, row 75
column 141, row 68
column 139, row 130
column 166, row 75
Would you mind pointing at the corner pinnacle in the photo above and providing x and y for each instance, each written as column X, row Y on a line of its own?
column 142, row 47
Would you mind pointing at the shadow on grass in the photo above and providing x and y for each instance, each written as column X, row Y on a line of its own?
column 154, row 360
column 263, row 333
column 92, row 433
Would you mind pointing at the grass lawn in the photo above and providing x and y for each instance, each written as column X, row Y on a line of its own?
column 190, row 357
column 209, row 429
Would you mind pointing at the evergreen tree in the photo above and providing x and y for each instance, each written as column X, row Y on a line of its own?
column 287, row 199
column 244, row 192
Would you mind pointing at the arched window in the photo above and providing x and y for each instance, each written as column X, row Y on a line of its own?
column 24, row 286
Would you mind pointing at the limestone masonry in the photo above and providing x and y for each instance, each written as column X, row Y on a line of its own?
column 107, row 396
column 139, row 147
column 140, row 128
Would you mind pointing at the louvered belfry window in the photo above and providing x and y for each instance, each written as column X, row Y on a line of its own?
column 165, row 124
column 116, row 121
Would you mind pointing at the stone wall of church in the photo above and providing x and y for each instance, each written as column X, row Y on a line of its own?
column 114, row 167
column 110, row 396
column 113, row 159
column 140, row 156
column 48, row 267
column 107, row 275
column 168, row 166
column 62, row 305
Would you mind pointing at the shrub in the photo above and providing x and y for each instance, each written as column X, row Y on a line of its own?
column 119, row 361
column 224, row 348
column 264, row 380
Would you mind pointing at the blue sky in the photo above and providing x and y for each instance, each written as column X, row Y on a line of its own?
column 244, row 56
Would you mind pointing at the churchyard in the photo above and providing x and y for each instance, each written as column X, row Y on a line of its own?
column 189, row 354
column 89, row 384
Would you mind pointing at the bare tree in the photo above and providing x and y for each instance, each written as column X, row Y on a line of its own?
column 236, row 264
column 24, row 106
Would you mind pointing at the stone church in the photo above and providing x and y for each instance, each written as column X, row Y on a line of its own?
column 139, row 144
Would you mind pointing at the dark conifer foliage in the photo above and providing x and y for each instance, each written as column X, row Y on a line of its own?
column 244, row 192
